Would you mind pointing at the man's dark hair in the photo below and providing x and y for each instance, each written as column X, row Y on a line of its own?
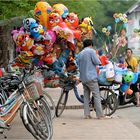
column 87, row 42
column 128, row 49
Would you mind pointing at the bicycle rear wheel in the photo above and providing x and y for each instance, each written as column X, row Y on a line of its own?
column 38, row 122
column 61, row 103
column 109, row 101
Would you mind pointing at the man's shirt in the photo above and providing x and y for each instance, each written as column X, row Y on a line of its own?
column 87, row 62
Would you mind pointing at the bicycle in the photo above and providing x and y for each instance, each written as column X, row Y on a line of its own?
column 108, row 98
column 35, row 112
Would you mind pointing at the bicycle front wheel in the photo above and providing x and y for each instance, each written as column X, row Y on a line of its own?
column 26, row 121
column 109, row 101
column 61, row 103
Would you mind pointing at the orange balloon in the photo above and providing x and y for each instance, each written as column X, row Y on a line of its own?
column 54, row 20
column 72, row 20
column 41, row 12
column 129, row 91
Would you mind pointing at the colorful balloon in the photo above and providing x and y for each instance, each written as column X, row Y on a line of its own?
column 52, row 37
column 128, row 77
column 27, row 22
column 41, row 13
column 124, row 87
column 22, row 40
column 37, row 31
column 54, row 20
column 72, row 21
column 61, row 9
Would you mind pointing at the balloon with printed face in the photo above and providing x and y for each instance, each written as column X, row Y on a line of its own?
column 25, row 58
column 22, row 41
column 27, row 22
column 72, row 20
column 86, row 28
column 41, row 12
column 36, row 31
column 61, row 9
column 87, row 23
column 54, row 20
column 128, row 77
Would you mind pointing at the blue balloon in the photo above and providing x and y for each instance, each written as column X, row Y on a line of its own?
column 135, row 78
column 109, row 28
column 124, row 87
column 117, row 20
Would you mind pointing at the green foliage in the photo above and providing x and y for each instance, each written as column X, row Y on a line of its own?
column 100, row 10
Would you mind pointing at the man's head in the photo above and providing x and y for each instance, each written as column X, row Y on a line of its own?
column 129, row 52
column 87, row 43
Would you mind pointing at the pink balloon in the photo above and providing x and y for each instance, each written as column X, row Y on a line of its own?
column 53, row 36
column 50, row 36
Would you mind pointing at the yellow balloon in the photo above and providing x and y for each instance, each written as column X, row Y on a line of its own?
column 41, row 12
column 61, row 9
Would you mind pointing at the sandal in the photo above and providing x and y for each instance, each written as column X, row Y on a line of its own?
column 88, row 117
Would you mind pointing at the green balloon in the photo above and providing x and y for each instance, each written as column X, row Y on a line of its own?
column 128, row 77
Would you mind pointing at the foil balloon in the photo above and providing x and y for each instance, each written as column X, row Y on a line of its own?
column 22, row 40
column 27, row 22
column 37, row 32
column 38, row 49
column 86, row 28
column 61, row 9
column 27, row 44
column 54, row 20
column 24, row 59
column 49, row 58
column 16, row 33
column 87, row 23
column 50, row 37
column 56, row 24
column 72, row 21
column 41, row 12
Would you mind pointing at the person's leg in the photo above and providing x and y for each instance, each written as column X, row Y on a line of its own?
column 94, row 88
column 86, row 100
column 137, row 94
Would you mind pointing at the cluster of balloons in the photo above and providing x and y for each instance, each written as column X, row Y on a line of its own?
column 52, row 38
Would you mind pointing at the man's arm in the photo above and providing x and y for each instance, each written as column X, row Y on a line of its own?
column 95, row 58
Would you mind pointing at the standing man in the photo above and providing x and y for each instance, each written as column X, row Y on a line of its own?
column 132, row 64
column 87, row 62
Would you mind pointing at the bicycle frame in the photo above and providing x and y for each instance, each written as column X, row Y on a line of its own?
column 9, row 108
